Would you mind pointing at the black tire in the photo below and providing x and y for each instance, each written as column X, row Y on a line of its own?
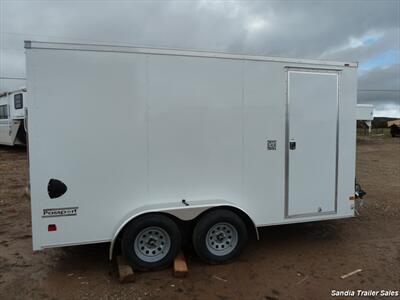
column 205, row 223
column 137, row 226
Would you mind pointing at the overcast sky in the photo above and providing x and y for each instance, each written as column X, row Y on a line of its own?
column 363, row 31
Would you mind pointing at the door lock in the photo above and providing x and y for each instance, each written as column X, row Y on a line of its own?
column 292, row 145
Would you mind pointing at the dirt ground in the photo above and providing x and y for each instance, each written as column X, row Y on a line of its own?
column 301, row 261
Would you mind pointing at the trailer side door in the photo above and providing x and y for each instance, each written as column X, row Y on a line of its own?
column 312, row 142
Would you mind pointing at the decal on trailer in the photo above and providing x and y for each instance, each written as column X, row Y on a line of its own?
column 60, row 212
column 271, row 144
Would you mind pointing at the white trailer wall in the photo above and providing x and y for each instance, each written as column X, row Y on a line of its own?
column 131, row 130
column 365, row 112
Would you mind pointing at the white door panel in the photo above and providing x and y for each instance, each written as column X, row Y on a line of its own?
column 312, row 145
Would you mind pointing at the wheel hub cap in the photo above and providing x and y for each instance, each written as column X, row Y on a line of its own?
column 222, row 239
column 152, row 244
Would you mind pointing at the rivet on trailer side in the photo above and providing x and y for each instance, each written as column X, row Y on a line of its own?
column 149, row 145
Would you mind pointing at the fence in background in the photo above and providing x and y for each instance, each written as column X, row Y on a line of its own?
column 374, row 131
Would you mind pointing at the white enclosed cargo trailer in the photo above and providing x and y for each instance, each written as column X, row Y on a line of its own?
column 365, row 113
column 131, row 145
column 12, row 118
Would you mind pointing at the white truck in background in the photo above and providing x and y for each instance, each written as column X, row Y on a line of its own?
column 12, row 118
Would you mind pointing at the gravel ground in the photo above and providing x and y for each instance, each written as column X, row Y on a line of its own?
column 300, row 261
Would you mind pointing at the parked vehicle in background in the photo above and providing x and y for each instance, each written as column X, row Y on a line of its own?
column 145, row 145
column 12, row 118
column 365, row 114
column 394, row 128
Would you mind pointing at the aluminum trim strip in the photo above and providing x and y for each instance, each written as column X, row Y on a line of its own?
column 177, row 52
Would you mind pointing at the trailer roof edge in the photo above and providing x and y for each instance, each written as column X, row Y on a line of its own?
column 178, row 52
column 22, row 90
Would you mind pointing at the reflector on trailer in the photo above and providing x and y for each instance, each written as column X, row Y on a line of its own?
column 52, row 227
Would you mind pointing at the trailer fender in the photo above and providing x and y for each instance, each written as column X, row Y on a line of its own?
column 184, row 211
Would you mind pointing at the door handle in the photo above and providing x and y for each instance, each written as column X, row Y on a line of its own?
column 292, row 145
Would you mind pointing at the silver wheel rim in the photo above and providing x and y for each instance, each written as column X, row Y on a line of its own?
column 221, row 239
column 152, row 244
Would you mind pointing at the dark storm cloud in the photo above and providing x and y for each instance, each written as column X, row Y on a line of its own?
column 372, row 83
column 364, row 31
